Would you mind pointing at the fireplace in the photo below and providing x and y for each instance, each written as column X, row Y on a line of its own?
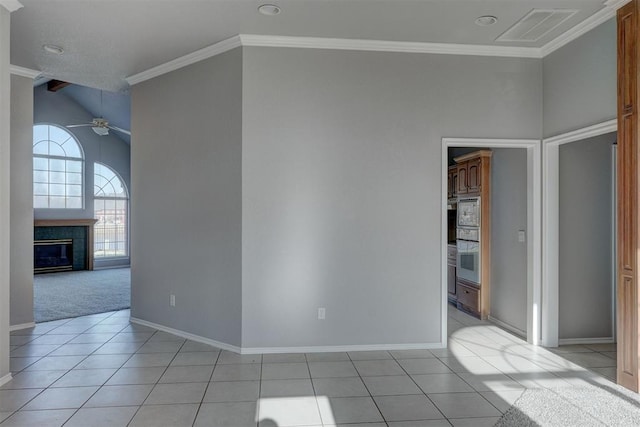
column 52, row 255
column 63, row 245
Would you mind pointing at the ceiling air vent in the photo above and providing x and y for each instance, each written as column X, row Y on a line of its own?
column 536, row 24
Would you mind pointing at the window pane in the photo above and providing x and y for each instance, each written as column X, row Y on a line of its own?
column 56, row 150
column 74, row 202
column 74, row 166
column 40, row 133
column 41, row 148
column 40, row 202
column 40, row 163
column 57, row 177
column 40, row 189
column 57, row 189
column 99, row 181
column 58, row 135
column 71, row 148
column 74, row 190
column 56, row 165
column 40, row 176
column 74, row 178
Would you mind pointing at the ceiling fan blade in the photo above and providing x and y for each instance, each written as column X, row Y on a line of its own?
column 116, row 128
column 79, row 126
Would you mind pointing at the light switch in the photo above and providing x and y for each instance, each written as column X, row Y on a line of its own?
column 521, row 236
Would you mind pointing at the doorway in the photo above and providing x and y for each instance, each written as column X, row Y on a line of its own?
column 551, row 225
column 534, row 227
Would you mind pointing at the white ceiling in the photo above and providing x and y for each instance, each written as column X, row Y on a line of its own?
column 107, row 40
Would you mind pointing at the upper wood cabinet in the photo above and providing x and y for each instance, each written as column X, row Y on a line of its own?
column 474, row 176
column 452, row 180
column 471, row 172
column 461, row 187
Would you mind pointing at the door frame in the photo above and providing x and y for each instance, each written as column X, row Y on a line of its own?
column 551, row 224
column 534, row 226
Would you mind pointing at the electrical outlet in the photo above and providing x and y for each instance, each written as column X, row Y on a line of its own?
column 321, row 313
column 172, row 300
column 521, row 236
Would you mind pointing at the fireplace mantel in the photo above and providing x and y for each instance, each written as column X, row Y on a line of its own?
column 89, row 223
column 64, row 222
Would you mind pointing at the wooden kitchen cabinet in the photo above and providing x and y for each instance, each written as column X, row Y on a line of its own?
column 452, row 181
column 474, row 176
column 461, row 185
column 451, row 273
column 473, row 171
column 474, row 180
column 468, row 297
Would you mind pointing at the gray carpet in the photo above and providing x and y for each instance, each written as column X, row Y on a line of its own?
column 78, row 293
column 574, row 406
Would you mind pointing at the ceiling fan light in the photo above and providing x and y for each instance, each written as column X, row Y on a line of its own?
column 100, row 130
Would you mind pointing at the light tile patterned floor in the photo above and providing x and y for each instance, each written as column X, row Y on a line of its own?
column 101, row 370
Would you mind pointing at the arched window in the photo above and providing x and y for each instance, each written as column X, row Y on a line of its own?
column 57, row 169
column 111, row 207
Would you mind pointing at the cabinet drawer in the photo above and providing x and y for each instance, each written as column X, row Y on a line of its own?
column 451, row 251
column 468, row 296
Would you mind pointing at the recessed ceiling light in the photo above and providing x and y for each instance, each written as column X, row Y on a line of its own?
column 51, row 48
column 269, row 9
column 485, row 21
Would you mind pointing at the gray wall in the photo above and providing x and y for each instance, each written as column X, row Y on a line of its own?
column 58, row 108
column 21, row 268
column 187, row 175
column 508, row 256
column 585, row 238
column 342, row 183
column 580, row 82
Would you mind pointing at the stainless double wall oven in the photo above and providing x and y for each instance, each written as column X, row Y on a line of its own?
column 468, row 239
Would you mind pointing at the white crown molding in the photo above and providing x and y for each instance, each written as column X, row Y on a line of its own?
column 389, row 46
column 187, row 335
column 256, row 40
column 583, row 133
column 11, row 5
column 331, row 43
column 616, row 4
column 493, row 142
column 22, row 326
column 183, row 61
column 600, row 17
column 24, row 72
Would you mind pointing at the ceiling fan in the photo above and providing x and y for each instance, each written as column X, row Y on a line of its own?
column 100, row 125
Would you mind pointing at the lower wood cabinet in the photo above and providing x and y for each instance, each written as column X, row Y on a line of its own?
column 468, row 297
column 451, row 281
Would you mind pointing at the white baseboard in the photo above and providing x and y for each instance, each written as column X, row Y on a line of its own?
column 340, row 348
column 275, row 350
column 5, row 379
column 22, row 326
column 186, row 335
column 574, row 341
column 508, row 327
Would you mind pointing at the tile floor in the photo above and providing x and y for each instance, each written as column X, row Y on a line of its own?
column 101, row 370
